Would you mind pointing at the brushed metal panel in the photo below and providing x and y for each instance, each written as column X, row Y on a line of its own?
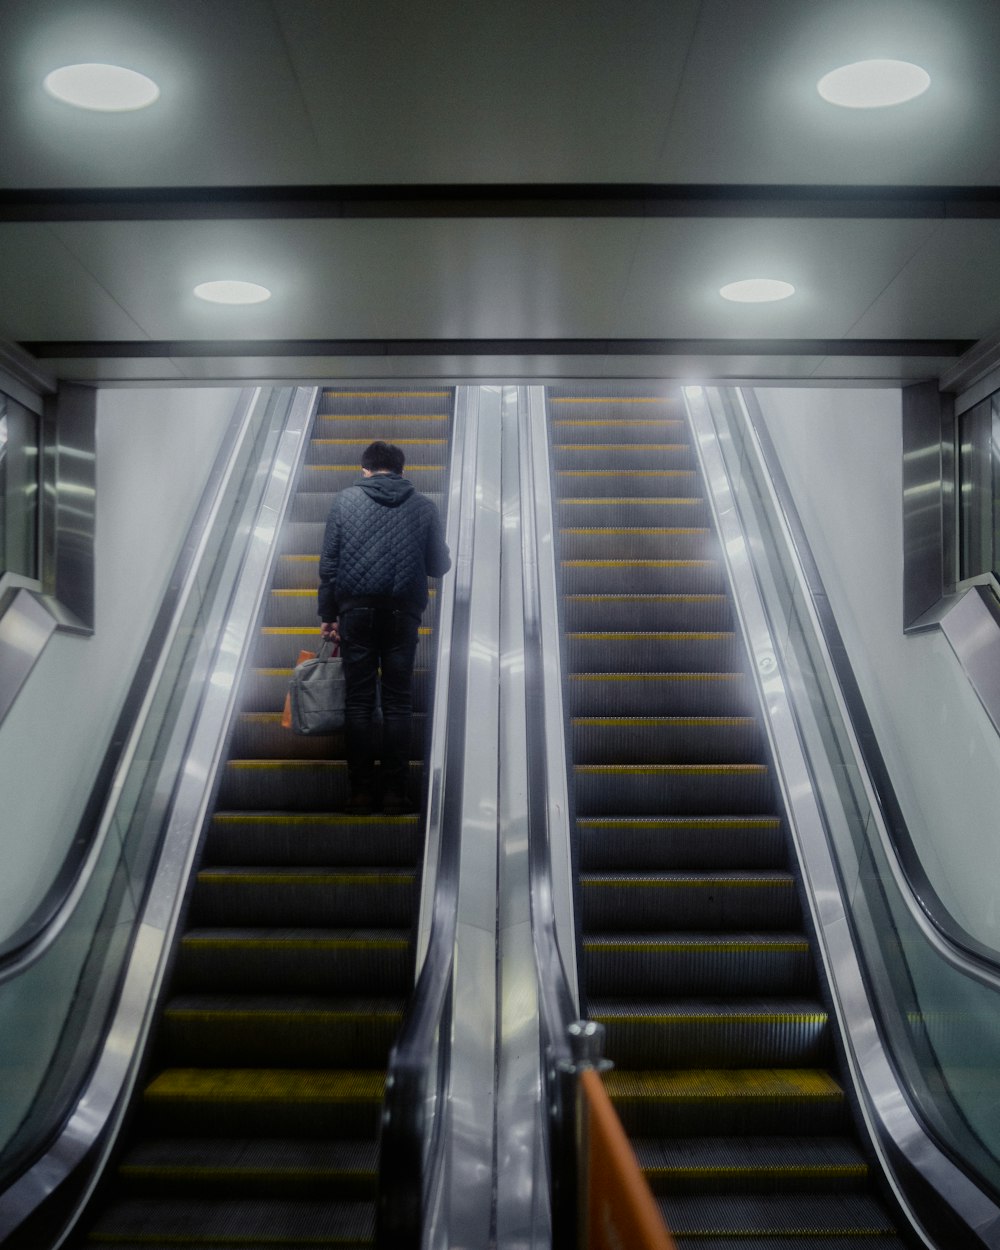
column 928, row 499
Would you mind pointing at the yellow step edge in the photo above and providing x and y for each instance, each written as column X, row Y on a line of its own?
column 736, row 1017
column 178, row 1172
column 215, row 876
column 673, row 530
column 248, row 1085
column 690, row 822
column 664, row 677
column 612, row 422
column 353, row 468
column 618, row 399
column 619, row 500
column 335, row 394
column 620, row 447
column 311, row 631
column 363, row 442
column 686, row 883
column 625, row 565
column 651, row 635
column 655, row 722
column 674, row 770
column 304, row 818
column 382, row 416
column 764, row 1084
column 283, row 944
column 625, row 473
column 190, row 1014
column 693, row 948
column 777, row 1171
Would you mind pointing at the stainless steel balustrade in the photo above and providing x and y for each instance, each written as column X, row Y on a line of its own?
column 903, row 994
column 111, row 932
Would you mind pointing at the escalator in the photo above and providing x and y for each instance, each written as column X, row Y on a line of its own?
column 696, row 952
column 257, row 1118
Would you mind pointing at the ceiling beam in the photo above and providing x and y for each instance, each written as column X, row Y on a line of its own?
column 145, row 349
column 621, row 200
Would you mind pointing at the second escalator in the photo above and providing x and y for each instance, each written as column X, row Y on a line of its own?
column 696, row 956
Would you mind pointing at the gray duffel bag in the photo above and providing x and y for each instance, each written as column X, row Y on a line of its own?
column 316, row 692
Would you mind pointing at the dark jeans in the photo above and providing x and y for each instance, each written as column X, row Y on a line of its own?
column 378, row 637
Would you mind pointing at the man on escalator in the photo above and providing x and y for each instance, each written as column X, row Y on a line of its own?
column 382, row 541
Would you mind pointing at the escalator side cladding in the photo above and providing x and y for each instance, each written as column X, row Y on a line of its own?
column 695, row 954
column 258, row 1123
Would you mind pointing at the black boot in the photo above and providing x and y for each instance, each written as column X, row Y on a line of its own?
column 361, row 768
column 396, row 800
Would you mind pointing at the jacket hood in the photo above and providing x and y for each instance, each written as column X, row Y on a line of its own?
column 388, row 489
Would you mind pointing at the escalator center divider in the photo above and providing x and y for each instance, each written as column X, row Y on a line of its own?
column 695, row 953
column 259, row 1121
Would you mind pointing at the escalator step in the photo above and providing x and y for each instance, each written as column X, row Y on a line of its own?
column 293, row 897
column 634, row 576
column 290, row 785
column 284, row 1031
column 236, row 1223
column 807, row 1216
column 332, row 477
column 226, row 1166
column 683, row 901
column 392, row 427
column 734, row 1164
column 642, row 483
column 629, row 457
column 312, row 839
column 265, row 1102
column 294, row 961
column 280, row 645
column 338, row 452
column 640, row 843
column 680, row 739
column 647, row 965
column 730, row 1101
column 740, row 1033
column 264, row 689
column 658, row 651
column 615, row 509
column 672, row 789
column 670, row 612
column 625, row 429
column 677, row 694
column 261, row 735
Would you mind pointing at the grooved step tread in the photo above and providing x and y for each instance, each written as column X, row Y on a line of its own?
column 265, row 1085
column 690, row 880
column 621, row 824
column 202, row 1159
column 305, row 876
column 668, row 770
column 770, row 1012
column 236, row 1222
column 296, row 939
column 770, row 1159
column 782, row 1215
column 301, row 1010
column 769, row 1085
column 695, row 943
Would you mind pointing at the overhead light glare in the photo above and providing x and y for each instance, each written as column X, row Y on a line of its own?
column 757, row 291
column 101, row 88
column 229, row 291
column 873, row 84
column 693, row 392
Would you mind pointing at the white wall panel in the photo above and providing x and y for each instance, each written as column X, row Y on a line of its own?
column 842, row 453
column 154, row 452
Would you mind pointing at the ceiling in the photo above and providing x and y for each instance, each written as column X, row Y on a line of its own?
column 503, row 189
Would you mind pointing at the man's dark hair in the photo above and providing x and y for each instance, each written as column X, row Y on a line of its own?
column 382, row 457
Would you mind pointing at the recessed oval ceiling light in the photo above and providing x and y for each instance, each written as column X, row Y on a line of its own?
column 693, row 392
column 756, row 290
column 873, row 84
column 229, row 291
column 102, row 88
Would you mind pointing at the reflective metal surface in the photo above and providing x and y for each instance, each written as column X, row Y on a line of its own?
column 929, row 555
column 836, row 891
column 69, row 505
column 468, row 1207
column 25, row 628
column 89, row 1131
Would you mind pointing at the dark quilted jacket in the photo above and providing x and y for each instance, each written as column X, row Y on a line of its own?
column 382, row 538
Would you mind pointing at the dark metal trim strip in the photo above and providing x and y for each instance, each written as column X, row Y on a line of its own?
column 463, row 200
column 111, row 349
